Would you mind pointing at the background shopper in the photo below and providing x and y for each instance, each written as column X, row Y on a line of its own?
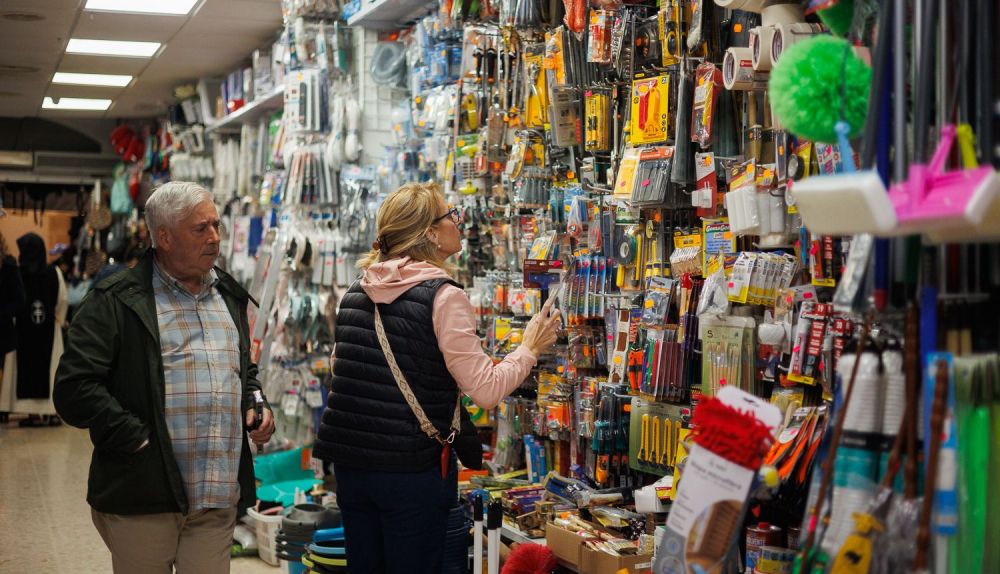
column 29, row 374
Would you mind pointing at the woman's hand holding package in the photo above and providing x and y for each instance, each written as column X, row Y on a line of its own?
column 540, row 334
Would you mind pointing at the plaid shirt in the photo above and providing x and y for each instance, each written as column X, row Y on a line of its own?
column 201, row 366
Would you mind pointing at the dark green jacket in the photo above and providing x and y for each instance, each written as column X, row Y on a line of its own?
column 110, row 381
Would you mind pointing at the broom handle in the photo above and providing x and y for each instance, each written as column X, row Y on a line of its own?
column 930, row 481
column 911, row 366
column 838, row 430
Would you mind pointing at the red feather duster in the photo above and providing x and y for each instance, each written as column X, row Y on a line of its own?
column 530, row 559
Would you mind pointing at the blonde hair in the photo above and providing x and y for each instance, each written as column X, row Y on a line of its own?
column 402, row 223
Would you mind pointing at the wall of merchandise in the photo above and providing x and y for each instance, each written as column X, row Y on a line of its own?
column 777, row 297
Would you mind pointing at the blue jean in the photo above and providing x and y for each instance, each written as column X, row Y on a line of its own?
column 394, row 522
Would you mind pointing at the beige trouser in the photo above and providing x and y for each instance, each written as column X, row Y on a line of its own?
column 198, row 543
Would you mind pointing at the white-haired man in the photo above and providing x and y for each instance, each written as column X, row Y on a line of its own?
column 157, row 367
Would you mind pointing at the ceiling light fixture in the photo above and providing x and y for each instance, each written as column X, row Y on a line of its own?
column 110, row 80
column 75, row 104
column 168, row 7
column 112, row 48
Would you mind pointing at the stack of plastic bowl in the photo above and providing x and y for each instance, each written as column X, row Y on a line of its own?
column 296, row 534
column 326, row 554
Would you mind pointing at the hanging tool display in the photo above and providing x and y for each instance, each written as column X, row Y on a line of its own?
column 679, row 175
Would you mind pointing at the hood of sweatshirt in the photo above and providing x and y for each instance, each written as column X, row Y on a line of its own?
column 384, row 282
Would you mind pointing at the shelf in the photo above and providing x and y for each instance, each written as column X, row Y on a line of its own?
column 251, row 112
column 514, row 534
column 389, row 14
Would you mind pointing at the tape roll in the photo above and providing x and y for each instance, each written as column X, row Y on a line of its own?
column 738, row 73
column 786, row 35
column 761, row 39
column 627, row 249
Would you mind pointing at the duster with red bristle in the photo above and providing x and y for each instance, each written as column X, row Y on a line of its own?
column 530, row 559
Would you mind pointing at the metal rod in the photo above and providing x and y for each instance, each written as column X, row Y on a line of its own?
column 899, row 90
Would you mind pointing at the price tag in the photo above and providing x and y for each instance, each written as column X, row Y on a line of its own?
column 290, row 405
column 314, row 398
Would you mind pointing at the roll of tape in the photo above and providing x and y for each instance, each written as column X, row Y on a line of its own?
column 738, row 73
column 786, row 35
column 761, row 39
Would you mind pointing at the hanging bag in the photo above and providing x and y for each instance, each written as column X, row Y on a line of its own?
column 99, row 216
column 463, row 437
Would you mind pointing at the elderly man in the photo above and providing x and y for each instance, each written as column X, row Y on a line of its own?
column 157, row 367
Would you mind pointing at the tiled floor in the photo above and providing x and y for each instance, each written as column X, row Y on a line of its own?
column 44, row 517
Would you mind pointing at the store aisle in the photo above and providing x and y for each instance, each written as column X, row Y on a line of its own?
column 44, row 514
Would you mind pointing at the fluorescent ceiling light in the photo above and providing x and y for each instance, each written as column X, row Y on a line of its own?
column 172, row 7
column 112, row 80
column 112, row 48
column 76, row 104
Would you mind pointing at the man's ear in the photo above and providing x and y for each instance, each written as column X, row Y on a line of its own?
column 163, row 239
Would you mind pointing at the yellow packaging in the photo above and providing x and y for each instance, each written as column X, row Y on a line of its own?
column 680, row 455
column 626, row 174
column 650, row 119
column 671, row 32
column 536, row 103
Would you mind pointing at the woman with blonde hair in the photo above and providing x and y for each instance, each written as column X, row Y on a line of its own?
column 396, row 475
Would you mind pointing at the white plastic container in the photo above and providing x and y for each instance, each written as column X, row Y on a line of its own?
column 266, row 527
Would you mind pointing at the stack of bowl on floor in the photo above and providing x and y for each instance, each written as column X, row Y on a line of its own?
column 299, row 550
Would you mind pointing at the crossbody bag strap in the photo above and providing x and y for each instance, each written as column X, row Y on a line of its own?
column 425, row 424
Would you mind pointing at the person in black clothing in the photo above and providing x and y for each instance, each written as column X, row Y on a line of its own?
column 27, row 386
column 11, row 299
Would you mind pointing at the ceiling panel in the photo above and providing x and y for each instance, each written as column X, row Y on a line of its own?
column 213, row 41
column 261, row 10
column 102, row 64
column 19, row 106
column 146, row 28
column 41, row 6
column 65, row 91
column 63, row 114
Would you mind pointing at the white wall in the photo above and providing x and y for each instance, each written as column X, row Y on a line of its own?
column 376, row 102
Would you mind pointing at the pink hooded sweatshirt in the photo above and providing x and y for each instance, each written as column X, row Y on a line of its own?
column 455, row 327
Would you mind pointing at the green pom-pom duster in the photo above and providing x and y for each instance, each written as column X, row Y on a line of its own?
column 816, row 83
column 839, row 17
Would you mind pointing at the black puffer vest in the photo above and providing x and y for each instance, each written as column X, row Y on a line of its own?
column 367, row 423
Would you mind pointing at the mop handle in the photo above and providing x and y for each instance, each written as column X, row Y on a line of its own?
column 493, row 519
column 477, row 535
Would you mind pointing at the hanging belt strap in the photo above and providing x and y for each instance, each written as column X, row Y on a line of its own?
column 425, row 424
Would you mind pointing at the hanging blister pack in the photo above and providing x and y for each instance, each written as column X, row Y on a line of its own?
column 599, row 44
column 708, row 84
column 564, row 118
column 597, row 129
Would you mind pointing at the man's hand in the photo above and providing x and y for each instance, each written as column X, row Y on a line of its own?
column 263, row 433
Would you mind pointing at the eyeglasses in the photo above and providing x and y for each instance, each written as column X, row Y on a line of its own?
column 452, row 214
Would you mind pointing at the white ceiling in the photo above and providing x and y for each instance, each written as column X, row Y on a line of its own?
column 216, row 38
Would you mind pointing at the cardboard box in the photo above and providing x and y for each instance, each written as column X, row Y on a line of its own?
column 595, row 562
column 565, row 544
